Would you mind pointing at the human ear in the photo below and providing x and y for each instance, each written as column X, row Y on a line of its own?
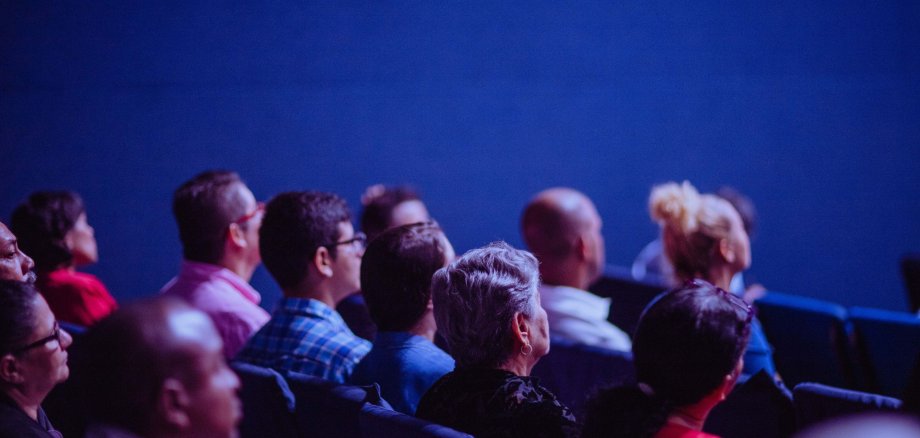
column 236, row 235
column 9, row 369
column 520, row 329
column 172, row 403
column 727, row 250
column 322, row 261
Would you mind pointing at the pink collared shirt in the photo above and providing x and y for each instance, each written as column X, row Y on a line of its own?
column 229, row 300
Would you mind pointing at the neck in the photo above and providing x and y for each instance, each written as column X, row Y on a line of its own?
column 238, row 266
column 689, row 416
column 721, row 276
column 518, row 364
column 425, row 327
column 29, row 403
column 317, row 293
column 565, row 273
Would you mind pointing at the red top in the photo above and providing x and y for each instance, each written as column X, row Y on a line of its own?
column 671, row 430
column 76, row 297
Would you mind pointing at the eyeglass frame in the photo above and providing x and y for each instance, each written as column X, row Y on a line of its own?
column 54, row 336
column 359, row 237
column 260, row 207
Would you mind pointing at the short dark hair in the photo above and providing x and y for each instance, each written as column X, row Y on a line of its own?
column 396, row 273
column 687, row 341
column 204, row 207
column 17, row 314
column 295, row 225
column 125, row 359
column 378, row 208
column 41, row 224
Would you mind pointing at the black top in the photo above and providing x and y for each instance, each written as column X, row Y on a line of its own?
column 14, row 423
column 496, row 403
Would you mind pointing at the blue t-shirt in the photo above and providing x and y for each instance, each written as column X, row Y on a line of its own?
column 405, row 366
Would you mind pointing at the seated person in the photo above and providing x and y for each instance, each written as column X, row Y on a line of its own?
column 33, row 360
column 487, row 306
column 14, row 264
column 384, row 208
column 562, row 228
column 396, row 280
column 704, row 237
column 311, row 249
column 156, row 368
column 52, row 227
column 688, row 353
column 218, row 219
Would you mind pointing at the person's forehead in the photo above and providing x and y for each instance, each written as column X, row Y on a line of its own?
column 6, row 236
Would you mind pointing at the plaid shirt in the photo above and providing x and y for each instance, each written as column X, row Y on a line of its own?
column 306, row 336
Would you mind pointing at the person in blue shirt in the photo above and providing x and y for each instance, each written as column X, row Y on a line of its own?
column 395, row 276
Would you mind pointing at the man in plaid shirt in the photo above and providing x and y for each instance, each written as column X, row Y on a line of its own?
column 310, row 247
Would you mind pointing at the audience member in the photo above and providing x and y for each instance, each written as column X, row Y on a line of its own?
column 487, row 305
column 688, row 353
column 14, row 264
column 156, row 368
column 562, row 228
column 384, row 208
column 396, row 281
column 311, row 249
column 704, row 237
column 52, row 226
column 33, row 361
column 219, row 219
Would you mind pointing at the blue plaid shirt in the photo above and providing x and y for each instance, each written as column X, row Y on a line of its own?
column 306, row 336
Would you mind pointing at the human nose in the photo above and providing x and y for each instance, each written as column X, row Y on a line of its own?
column 27, row 263
column 65, row 339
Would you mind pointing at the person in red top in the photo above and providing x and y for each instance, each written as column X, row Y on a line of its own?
column 688, row 353
column 51, row 226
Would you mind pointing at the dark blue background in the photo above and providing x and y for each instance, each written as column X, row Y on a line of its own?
column 810, row 107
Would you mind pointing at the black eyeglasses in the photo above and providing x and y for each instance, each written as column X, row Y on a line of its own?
column 55, row 336
column 360, row 240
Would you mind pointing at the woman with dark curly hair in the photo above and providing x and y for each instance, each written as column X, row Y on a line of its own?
column 688, row 352
column 52, row 228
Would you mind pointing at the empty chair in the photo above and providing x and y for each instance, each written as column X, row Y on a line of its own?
column 628, row 297
column 756, row 408
column 378, row 422
column 910, row 270
column 888, row 343
column 268, row 403
column 573, row 372
column 810, row 339
column 815, row 402
column 328, row 409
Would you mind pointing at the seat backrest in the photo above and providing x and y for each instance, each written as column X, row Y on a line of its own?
column 815, row 402
column 268, row 403
column 628, row 297
column 325, row 408
column 378, row 422
column 756, row 408
column 887, row 343
column 910, row 270
column 810, row 339
column 574, row 372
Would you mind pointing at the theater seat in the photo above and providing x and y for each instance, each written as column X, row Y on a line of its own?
column 379, row 422
column 628, row 297
column 756, row 408
column 329, row 409
column 574, row 372
column 910, row 270
column 268, row 403
column 810, row 339
column 815, row 402
column 887, row 343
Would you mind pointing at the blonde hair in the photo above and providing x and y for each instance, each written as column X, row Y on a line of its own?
column 692, row 224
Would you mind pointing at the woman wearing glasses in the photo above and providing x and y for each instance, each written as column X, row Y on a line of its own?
column 687, row 352
column 704, row 238
column 52, row 228
column 33, row 361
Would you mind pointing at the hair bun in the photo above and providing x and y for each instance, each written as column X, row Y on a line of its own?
column 675, row 205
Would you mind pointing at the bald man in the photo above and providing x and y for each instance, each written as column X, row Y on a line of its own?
column 562, row 228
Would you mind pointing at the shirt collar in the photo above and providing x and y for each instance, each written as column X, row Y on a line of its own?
column 311, row 308
column 199, row 272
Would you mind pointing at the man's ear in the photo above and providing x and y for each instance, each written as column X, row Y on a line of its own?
column 582, row 247
column 727, row 251
column 236, row 236
column 9, row 369
column 322, row 261
column 172, row 404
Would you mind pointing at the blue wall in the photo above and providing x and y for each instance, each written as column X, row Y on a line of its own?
column 810, row 107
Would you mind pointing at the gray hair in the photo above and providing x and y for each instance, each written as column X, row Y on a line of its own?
column 476, row 298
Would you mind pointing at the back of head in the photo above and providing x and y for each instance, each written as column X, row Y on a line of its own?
column 396, row 273
column 295, row 225
column 475, row 300
column 691, row 226
column 17, row 314
column 687, row 341
column 41, row 224
column 379, row 202
column 552, row 221
column 204, row 207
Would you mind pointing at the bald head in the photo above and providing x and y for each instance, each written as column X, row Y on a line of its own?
column 561, row 227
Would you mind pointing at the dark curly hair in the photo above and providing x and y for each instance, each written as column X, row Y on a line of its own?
column 41, row 224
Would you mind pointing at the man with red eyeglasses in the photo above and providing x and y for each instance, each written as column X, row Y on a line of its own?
column 219, row 220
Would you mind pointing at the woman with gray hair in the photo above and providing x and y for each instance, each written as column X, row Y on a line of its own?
column 487, row 307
